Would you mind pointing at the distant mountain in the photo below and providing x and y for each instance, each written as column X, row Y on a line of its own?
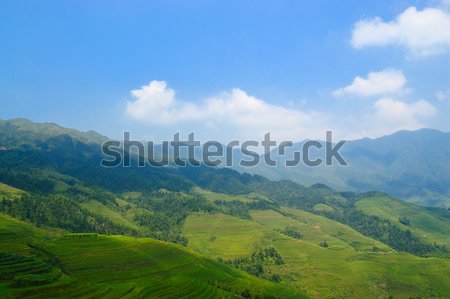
column 412, row 165
column 44, row 147
column 18, row 131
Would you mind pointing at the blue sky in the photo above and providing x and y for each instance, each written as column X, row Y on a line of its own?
column 229, row 69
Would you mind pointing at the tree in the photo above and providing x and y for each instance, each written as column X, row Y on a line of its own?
column 324, row 244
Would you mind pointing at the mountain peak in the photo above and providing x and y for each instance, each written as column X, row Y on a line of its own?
column 17, row 131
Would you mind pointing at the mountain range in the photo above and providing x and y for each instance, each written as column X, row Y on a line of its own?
column 411, row 165
column 70, row 228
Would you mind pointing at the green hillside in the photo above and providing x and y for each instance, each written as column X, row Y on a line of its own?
column 426, row 224
column 351, row 266
column 19, row 131
column 7, row 191
column 97, row 266
column 110, row 212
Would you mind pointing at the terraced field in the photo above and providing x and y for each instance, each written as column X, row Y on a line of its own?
column 316, row 229
column 352, row 266
column 426, row 224
column 115, row 216
column 213, row 196
column 223, row 235
column 97, row 266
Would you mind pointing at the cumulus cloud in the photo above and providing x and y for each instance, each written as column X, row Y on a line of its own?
column 422, row 33
column 235, row 114
column 392, row 115
column 152, row 102
column 235, row 110
column 401, row 112
column 388, row 115
column 385, row 82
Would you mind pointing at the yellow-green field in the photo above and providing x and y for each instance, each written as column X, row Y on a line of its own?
column 223, row 235
column 349, row 267
column 213, row 196
column 10, row 192
column 115, row 216
column 430, row 227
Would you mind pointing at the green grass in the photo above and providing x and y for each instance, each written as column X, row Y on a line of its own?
column 16, row 234
column 115, row 216
column 131, row 209
column 123, row 203
column 316, row 228
column 427, row 225
column 323, row 208
column 350, row 267
column 213, row 196
column 131, row 195
column 58, row 265
column 9, row 192
column 223, row 235
column 155, row 268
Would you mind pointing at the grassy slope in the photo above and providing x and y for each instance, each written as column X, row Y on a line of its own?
column 91, row 266
column 15, row 234
column 9, row 192
column 348, row 268
column 234, row 237
column 213, row 196
column 316, row 228
column 27, row 131
column 424, row 223
column 117, row 217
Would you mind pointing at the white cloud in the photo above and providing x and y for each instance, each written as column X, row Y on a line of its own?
column 152, row 102
column 156, row 104
column 423, row 32
column 401, row 112
column 393, row 115
column 235, row 114
column 385, row 82
column 443, row 96
column 388, row 116
column 235, row 111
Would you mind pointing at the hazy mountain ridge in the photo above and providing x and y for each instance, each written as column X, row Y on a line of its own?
column 412, row 165
column 18, row 131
